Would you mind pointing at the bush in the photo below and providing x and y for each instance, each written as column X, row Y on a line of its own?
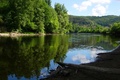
column 115, row 29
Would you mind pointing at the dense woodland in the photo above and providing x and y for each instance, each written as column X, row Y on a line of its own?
column 38, row 16
column 95, row 24
column 33, row 16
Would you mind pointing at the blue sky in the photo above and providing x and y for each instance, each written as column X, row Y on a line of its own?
column 91, row 7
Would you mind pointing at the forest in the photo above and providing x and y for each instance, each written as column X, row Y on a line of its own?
column 38, row 16
column 95, row 24
column 35, row 16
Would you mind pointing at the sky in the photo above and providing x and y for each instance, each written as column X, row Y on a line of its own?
column 91, row 7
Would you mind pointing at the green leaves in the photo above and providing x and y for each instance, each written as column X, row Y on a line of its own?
column 48, row 2
column 62, row 18
column 115, row 29
column 51, row 20
column 35, row 16
column 27, row 15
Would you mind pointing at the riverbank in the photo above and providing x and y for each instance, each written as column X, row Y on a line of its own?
column 19, row 34
column 106, row 67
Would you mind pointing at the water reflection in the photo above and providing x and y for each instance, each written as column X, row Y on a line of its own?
column 31, row 57
column 24, row 57
column 92, row 40
column 84, row 47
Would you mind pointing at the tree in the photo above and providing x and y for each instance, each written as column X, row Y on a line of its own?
column 115, row 29
column 48, row 2
column 32, row 16
column 26, row 16
column 51, row 20
column 20, row 16
column 62, row 17
column 35, row 16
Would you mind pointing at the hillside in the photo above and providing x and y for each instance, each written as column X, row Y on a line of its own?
column 106, row 21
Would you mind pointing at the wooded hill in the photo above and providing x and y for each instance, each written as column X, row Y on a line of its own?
column 106, row 21
column 95, row 24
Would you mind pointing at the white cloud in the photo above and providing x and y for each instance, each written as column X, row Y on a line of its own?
column 100, row 1
column 76, row 6
column 83, row 6
column 99, row 6
column 99, row 10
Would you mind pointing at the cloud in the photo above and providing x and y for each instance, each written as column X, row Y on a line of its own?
column 100, row 1
column 76, row 6
column 83, row 6
column 99, row 10
column 98, row 6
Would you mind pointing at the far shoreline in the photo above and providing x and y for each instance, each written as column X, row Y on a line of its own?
column 15, row 34
column 12, row 34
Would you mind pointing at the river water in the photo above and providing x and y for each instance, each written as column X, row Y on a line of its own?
column 31, row 58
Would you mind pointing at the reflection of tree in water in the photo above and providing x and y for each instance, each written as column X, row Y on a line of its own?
column 26, row 56
column 94, row 40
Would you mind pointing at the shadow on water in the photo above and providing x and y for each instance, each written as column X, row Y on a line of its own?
column 29, row 57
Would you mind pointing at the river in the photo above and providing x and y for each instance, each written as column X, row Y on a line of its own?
column 31, row 58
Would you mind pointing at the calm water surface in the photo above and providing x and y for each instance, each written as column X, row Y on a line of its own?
column 30, row 58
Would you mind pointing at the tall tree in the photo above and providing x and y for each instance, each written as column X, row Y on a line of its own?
column 51, row 20
column 62, row 17
column 36, row 16
column 32, row 16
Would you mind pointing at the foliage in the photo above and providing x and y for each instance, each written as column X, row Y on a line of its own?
column 115, row 29
column 51, row 20
column 1, row 20
column 3, row 7
column 89, row 29
column 81, row 20
column 33, row 16
column 38, row 16
column 63, row 18
column 26, row 15
column 92, row 24
column 105, row 21
column 48, row 2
